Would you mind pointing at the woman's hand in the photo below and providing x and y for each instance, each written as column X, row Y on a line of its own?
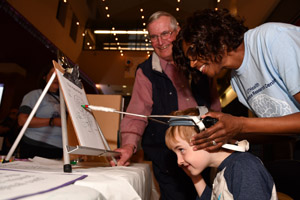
column 223, row 131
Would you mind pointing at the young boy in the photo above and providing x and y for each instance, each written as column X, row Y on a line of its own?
column 240, row 175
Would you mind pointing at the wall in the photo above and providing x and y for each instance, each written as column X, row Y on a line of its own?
column 42, row 14
column 248, row 9
column 109, row 67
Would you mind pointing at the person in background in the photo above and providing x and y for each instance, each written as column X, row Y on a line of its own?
column 159, row 89
column 43, row 137
column 240, row 175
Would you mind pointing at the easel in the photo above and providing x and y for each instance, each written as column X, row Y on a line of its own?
column 66, row 149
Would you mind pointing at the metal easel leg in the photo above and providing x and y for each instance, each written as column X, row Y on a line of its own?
column 67, row 165
column 14, row 146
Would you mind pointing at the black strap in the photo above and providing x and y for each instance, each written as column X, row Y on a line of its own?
column 57, row 99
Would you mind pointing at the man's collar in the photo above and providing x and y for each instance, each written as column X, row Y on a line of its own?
column 157, row 63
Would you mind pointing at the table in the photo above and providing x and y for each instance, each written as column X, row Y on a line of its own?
column 87, row 181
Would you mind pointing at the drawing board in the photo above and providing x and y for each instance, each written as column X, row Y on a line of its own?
column 87, row 131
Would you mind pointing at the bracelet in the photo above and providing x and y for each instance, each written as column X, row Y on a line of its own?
column 51, row 122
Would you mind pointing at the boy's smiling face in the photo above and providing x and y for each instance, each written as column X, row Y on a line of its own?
column 193, row 162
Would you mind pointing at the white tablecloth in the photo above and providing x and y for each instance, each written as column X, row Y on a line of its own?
column 105, row 183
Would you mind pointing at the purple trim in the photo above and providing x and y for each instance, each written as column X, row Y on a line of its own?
column 52, row 189
column 49, row 190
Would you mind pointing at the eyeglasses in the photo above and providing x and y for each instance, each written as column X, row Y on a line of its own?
column 164, row 36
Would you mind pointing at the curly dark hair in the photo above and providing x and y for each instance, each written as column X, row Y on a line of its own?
column 201, row 81
column 210, row 31
column 183, row 63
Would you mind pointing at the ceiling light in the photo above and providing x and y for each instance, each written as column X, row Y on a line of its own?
column 125, row 43
column 127, row 49
column 120, row 32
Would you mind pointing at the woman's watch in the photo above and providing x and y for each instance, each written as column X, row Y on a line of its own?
column 51, row 122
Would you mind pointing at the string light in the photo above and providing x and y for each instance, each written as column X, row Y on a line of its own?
column 106, row 8
column 216, row 8
column 177, row 10
column 80, row 27
column 145, row 31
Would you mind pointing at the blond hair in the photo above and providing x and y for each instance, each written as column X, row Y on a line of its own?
column 184, row 132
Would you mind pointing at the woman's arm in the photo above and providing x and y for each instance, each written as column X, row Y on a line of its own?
column 37, row 122
column 229, row 126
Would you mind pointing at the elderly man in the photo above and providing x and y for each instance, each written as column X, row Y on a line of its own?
column 159, row 89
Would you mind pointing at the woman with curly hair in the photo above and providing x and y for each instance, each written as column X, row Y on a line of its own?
column 265, row 66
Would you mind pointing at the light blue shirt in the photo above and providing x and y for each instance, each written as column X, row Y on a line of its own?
column 48, row 108
column 270, row 73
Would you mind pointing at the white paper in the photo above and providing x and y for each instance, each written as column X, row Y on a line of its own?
column 18, row 184
column 84, row 123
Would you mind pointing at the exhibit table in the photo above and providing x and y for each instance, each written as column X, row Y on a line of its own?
column 41, row 178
